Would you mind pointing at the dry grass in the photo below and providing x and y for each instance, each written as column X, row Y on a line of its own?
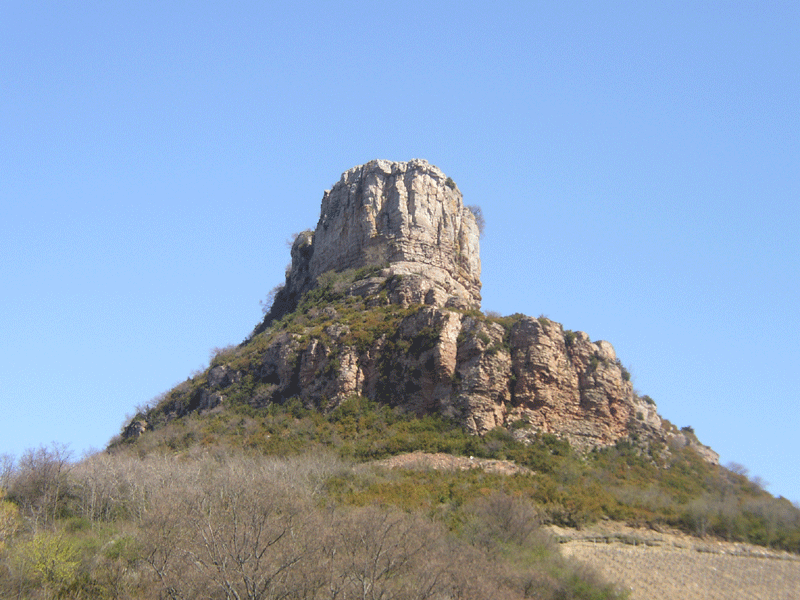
column 656, row 566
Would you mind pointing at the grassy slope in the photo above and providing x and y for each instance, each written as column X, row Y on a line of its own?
column 621, row 482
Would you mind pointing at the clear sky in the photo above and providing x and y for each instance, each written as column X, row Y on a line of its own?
column 638, row 165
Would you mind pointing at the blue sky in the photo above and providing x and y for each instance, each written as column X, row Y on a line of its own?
column 638, row 165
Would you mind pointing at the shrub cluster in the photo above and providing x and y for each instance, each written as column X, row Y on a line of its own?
column 650, row 486
column 223, row 524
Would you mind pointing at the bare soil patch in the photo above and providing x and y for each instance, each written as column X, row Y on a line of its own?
column 447, row 462
column 669, row 565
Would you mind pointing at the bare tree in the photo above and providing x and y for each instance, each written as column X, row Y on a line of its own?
column 39, row 482
column 266, row 304
column 702, row 513
column 501, row 518
column 376, row 554
column 105, row 487
column 480, row 221
column 235, row 529
column 6, row 470
column 737, row 468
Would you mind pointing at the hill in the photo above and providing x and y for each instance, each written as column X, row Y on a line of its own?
column 382, row 300
column 376, row 435
column 375, row 345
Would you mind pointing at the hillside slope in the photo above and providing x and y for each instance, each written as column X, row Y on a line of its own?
column 381, row 301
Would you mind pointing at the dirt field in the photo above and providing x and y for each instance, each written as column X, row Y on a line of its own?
column 656, row 566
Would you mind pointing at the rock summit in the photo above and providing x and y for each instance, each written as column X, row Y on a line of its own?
column 406, row 218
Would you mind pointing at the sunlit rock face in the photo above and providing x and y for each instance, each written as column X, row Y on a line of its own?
column 407, row 217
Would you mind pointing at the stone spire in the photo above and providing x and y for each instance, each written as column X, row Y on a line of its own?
column 407, row 217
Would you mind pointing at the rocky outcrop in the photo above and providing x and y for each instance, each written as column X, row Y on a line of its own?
column 406, row 217
column 529, row 374
column 526, row 374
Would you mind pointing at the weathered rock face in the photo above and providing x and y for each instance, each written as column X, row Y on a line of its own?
column 405, row 216
column 483, row 373
column 526, row 374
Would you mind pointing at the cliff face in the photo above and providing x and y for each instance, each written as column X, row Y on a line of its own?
column 381, row 301
column 523, row 373
column 405, row 217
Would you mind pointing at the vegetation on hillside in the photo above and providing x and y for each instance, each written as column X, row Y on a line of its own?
column 287, row 501
column 220, row 522
column 265, row 497
column 654, row 488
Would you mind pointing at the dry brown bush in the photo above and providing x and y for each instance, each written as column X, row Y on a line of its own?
column 252, row 528
column 38, row 483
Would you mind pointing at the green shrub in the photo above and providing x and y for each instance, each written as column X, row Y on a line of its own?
column 626, row 376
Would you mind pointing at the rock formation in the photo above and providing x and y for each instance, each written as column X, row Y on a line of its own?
column 404, row 216
column 382, row 301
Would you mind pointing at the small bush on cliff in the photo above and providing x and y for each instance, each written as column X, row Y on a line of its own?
column 266, row 304
column 480, row 221
column 626, row 375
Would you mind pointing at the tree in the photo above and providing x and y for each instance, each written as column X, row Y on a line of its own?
column 9, row 520
column 220, row 533
column 39, row 482
column 266, row 305
column 6, row 470
column 379, row 554
column 48, row 561
column 502, row 519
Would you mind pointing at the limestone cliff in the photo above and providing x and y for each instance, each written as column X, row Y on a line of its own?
column 382, row 301
column 406, row 217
